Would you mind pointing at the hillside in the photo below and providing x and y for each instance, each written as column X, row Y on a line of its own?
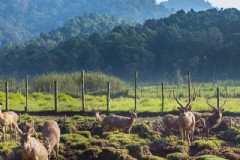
column 186, row 5
column 207, row 42
column 83, row 26
column 24, row 19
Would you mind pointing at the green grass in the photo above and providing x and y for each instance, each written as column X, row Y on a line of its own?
column 45, row 102
column 148, row 96
column 209, row 157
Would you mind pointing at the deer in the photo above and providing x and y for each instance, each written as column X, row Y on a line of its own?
column 31, row 147
column 172, row 122
column 120, row 122
column 8, row 118
column 215, row 118
column 101, row 120
column 51, row 136
column 186, row 119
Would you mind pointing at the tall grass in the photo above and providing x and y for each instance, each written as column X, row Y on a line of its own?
column 95, row 83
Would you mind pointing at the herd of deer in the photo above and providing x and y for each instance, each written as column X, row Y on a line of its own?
column 185, row 122
column 32, row 148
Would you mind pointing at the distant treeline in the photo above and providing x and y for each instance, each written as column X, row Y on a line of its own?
column 206, row 42
column 20, row 20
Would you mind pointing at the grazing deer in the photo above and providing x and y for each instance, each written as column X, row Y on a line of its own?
column 32, row 149
column 216, row 116
column 120, row 122
column 186, row 118
column 51, row 135
column 171, row 122
column 9, row 118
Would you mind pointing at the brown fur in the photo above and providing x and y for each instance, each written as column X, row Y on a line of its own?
column 120, row 122
column 51, row 135
column 32, row 149
column 9, row 118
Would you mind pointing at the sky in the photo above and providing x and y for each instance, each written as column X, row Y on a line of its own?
column 220, row 3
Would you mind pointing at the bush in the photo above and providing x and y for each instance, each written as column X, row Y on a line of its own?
column 95, row 83
column 207, row 144
column 177, row 156
column 209, row 157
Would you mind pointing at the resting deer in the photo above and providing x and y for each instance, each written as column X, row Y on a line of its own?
column 215, row 118
column 120, row 122
column 9, row 118
column 186, row 118
column 32, row 149
column 51, row 135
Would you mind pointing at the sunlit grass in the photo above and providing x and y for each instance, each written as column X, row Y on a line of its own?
column 45, row 102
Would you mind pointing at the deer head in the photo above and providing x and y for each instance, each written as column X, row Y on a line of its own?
column 96, row 110
column 25, row 138
column 188, row 107
column 133, row 114
column 217, row 111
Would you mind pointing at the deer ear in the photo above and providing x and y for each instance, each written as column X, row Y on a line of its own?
column 222, row 109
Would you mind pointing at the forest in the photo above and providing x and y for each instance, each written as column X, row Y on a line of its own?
column 206, row 42
column 22, row 20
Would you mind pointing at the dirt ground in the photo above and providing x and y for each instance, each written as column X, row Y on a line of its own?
column 83, row 138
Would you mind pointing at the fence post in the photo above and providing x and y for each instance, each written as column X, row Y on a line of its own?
column 26, row 83
column 189, row 86
column 6, row 92
column 218, row 97
column 162, row 97
column 83, row 98
column 56, row 95
column 135, row 97
column 108, row 96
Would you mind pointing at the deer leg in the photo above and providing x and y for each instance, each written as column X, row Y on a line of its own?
column 56, row 148
column 208, row 133
column 181, row 132
column 168, row 132
column 4, row 133
column 203, row 133
column 187, row 136
column 192, row 133
column 10, row 132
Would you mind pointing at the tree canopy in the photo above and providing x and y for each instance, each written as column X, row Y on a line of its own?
column 206, row 42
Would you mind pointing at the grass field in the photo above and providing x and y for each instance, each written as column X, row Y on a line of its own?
column 145, row 102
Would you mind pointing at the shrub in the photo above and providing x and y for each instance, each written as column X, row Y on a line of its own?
column 177, row 156
column 207, row 144
column 209, row 157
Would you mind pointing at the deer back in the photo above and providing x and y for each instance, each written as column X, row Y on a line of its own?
column 8, row 118
column 51, row 134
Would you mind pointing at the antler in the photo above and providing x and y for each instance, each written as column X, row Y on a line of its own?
column 175, row 97
column 92, row 106
column 210, row 104
column 100, row 107
column 225, row 99
column 194, row 96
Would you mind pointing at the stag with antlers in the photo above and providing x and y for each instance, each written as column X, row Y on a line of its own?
column 215, row 118
column 186, row 119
